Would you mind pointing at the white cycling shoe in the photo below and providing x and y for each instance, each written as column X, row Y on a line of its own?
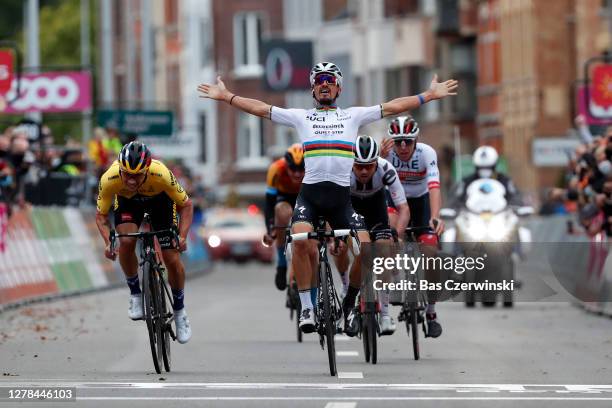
column 387, row 326
column 183, row 328
column 135, row 311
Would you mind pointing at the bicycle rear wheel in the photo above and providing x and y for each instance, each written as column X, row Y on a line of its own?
column 329, row 319
column 150, row 311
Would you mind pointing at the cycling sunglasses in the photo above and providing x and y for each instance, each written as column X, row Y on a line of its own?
column 321, row 78
column 364, row 166
column 398, row 142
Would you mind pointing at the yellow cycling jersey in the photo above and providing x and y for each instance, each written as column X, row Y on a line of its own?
column 159, row 180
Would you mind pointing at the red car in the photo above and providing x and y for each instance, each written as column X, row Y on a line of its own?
column 236, row 234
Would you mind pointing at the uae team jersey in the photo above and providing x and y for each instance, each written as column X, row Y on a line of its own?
column 420, row 173
column 328, row 137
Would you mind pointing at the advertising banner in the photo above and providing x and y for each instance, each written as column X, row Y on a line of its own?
column 51, row 92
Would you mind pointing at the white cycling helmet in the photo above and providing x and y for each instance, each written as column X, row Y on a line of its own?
column 403, row 127
column 366, row 149
column 485, row 159
column 328, row 68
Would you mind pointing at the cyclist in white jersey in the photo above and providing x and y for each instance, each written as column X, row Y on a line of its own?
column 372, row 177
column 417, row 166
column 327, row 133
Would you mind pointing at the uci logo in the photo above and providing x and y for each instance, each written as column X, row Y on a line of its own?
column 316, row 118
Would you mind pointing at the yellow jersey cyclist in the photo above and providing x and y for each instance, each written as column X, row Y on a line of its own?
column 283, row 183
column 328, row 134
column 135, row 184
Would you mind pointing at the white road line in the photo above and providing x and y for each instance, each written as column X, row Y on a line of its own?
column 342, row 338
column 347, row 398
column 347, row 374
column 347, row 353
column 341, row 405
column 459, row 388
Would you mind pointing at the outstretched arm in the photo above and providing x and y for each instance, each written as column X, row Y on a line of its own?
column 437, row 90
column 219, row 92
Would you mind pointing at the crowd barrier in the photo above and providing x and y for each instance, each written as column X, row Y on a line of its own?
column 49, row 252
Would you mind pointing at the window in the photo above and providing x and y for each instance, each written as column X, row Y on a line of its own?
column 205, row 42
column 250, row 137
column 247, row 40
column 203, row 146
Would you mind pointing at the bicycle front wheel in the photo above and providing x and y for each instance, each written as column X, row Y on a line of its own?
column 413, row 321
column 329, row 318
column 165, row 326
column 150, row 312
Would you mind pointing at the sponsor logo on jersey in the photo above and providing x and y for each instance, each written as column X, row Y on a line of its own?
column 314, row 118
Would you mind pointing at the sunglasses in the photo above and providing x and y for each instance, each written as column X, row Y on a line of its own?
column 322, row 78
column 364, row 166
column 398, row 142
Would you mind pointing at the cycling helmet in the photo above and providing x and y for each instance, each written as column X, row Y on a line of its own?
column 366, row 149
column 328, row 68
column 295, row 157
column 485, row 159
column 134, row 158
column 403, row 127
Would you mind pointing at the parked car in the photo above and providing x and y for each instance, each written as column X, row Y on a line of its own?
column 236, row 234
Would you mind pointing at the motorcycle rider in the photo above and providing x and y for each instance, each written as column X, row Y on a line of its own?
column 485, row 160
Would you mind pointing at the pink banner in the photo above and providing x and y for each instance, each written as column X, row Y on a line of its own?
column 51, row 92
column 583, row 108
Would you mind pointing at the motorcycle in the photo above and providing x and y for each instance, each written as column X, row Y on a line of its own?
column 487, row 227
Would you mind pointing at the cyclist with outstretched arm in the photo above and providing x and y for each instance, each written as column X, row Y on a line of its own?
column 328, row 134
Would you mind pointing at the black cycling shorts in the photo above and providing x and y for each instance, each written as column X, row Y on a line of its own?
column 420, row 213
column 286, row 198
column 373, row 209
column 327, row 200
column 160, row 207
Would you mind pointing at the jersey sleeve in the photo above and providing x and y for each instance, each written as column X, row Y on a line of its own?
column 173, row 188
column 433, row 174
column 287, row 117
column 272, row 179
column 391, row 180
column 106, row 193
column 364, row 115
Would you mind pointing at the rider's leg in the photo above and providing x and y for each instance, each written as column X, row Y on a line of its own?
column 355, row 274
column 127, row 256
column 343, row 261
column 176, row 276
column 282, row 216
column 301, row 262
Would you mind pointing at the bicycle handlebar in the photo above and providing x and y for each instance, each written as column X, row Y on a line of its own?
column 139, row 235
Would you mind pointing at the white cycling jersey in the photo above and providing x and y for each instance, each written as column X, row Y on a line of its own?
column 328, row 136
column 385, row 176
column 419, row 174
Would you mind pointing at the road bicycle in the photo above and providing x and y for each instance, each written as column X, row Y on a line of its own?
column 156, row 297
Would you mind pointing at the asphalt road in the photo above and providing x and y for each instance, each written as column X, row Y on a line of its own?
column 244, row 353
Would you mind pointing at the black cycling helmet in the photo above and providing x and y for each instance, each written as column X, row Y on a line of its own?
column 134, row 158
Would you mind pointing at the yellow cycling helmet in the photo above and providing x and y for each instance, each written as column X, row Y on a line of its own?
column 295, row 157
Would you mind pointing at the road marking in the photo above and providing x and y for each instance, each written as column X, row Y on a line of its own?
column 427, row 387
column 341, row 405
column 342, row 337
column 341, row 398
column 347, row 374
column 347, row 353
